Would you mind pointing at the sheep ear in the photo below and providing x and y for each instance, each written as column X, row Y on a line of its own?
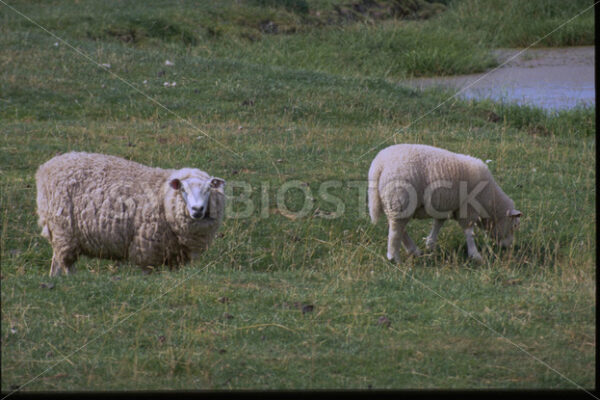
column 216, row 183
column 514, row 213
column 175, row 184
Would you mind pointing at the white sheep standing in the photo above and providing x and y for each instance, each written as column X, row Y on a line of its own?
column 108, row 207
column 418, row 181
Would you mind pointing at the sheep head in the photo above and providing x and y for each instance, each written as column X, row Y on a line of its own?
column 195, row 192
column 194, row 196
column 502, row 229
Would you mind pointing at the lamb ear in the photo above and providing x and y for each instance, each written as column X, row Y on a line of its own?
column 175, row 184
column 216, row 182
column 514, row 213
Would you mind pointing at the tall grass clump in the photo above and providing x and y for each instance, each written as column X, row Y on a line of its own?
column 576, row 122
column 514, row 23
column 390, row 50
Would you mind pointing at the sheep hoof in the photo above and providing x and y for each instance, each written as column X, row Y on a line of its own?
column 416, row 253
column 147, row 269
column 476, row 258
column 393, row 258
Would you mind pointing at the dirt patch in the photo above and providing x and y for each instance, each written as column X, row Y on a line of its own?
column 360, row 11
column 386, row 9
column 271, row 27
column 135, row 30
column 296, row 6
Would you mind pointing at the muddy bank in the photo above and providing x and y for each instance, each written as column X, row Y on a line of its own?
column 552, row 79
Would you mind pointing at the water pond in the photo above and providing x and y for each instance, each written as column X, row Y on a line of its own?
column 553, row 79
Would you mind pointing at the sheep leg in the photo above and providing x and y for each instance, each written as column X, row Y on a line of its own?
column 471, row 247
column 62, row 260
column 397, row 234
column 409, row 245
column 432, row 238
column 55, row 266
column 393, row 253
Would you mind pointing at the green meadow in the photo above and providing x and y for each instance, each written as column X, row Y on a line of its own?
column 271, row 92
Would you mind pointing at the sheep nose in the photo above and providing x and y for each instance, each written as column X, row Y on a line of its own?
column 198, row 212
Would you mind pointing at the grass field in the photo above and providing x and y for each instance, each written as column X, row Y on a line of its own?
column 272, row 92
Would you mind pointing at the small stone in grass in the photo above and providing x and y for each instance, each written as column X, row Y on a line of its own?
column 227, row 316
column 47, row 285
column 383, row 320
column 162, row 339
column 307, row 308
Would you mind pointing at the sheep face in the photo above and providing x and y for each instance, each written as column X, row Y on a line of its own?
column 503, row 229
column 196, row 194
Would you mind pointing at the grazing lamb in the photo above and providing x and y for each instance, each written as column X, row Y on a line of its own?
column 108, row 207
column 410, row 180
